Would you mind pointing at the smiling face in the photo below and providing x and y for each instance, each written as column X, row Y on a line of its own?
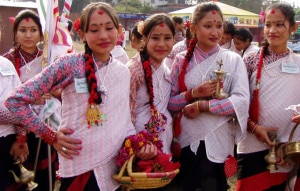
column 101, row 35
column 209, row 30
column 159, row 42
column 277, row 30
column 28, row 35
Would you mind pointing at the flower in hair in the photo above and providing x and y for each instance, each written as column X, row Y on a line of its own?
column 76, row 25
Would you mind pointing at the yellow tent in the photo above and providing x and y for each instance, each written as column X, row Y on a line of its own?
column 239, row 17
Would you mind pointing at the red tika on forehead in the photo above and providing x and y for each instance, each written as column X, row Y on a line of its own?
column 100, row 12
column 27, row 19
column 213, row 12
column 272, row 11
column 162, row 24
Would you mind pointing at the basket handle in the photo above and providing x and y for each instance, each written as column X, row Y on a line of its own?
column 292, row 132
column 129, row 165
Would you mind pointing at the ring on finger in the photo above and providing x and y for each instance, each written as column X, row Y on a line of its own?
column 64, row 149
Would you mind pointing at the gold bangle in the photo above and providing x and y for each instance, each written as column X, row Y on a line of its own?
column 198, row 106
column 192, row 92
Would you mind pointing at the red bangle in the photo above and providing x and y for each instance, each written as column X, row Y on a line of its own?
column 21, row 138
column 188, row 96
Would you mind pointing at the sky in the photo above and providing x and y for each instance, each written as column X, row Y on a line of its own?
column 297, row 2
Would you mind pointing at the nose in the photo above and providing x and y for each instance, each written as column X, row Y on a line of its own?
column 28, row 34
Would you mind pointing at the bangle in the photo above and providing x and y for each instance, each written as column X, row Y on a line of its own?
column 204, row 106
column 21, row 138
column 255, row 126
column 192, row 93
column 197, row 103
column 188, row 96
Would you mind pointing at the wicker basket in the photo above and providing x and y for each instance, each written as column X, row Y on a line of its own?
column 143, row 180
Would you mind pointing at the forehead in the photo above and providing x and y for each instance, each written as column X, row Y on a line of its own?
column 274, row 15
column 100, row 17
column 27, row 22
column 162, row 28
column 212, row 16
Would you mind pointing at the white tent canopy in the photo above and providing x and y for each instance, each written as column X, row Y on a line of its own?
column 239, row 17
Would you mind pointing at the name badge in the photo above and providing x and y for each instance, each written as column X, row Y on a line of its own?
column 290, row 68
column 7, row 71
column 81, row 85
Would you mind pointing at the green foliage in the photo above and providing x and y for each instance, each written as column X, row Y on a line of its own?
column 133, row 6
column 297, row 16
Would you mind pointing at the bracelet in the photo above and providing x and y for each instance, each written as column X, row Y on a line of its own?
column 21, row 138
column 255, row 126
column 197, row 103
column 188, row 96
column 192, row 93
column 204, row 106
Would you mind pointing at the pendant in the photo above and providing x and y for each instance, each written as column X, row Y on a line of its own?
column 103, row 89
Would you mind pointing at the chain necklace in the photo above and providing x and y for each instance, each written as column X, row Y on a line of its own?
column 160, row 80
column 28, row 65
column 102, row 87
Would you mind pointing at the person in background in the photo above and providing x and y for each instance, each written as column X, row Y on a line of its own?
column 242, row 40
column 27, row 59
column 12, row 147
column 179, row 47
column 95, row 105
column 227, row 39
column 179, row 29
column 136, row 40
column 273, row 72
column 121, row 36
column 203, row 122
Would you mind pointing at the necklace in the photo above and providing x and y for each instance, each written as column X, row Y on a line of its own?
column 204, row 75
column 28, row 65
column 159, row 79
column 102, row 87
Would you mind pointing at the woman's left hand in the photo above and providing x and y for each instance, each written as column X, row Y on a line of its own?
column 19, row 151
column 296, row 118
column 148, row 151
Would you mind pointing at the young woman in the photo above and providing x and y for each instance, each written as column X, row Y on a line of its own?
column 205, row 120
column 242, row 40
column 150, row 79
column 270, row 69
column 95, row 105
column 27, row 59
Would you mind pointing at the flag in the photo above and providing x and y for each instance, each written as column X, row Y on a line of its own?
column 57, row 39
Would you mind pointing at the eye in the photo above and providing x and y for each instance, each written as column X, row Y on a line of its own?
column 109, row 28
column 207, row 26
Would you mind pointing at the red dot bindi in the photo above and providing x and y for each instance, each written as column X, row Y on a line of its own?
column 161, row 24
column 213, row 12
column 100, row 12
column 272, row 11
column 27, row 19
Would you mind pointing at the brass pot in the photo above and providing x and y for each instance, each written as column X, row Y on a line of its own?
column 290, row 152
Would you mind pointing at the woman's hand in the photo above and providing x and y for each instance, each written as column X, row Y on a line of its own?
column 191, row 111
column 41, row 101
column 206, row 89
column 262, row 134
column 296, row 118
column 19, row 150
column 148, row 151
column 65, row 145
column 279, row 160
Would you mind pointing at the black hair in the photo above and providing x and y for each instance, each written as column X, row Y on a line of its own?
column 229, row 28
column 243, row 35
column 177, row 20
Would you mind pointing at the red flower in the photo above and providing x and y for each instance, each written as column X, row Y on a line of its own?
column 161, row 163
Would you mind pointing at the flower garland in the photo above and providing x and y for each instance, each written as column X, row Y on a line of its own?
column 134, row 143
